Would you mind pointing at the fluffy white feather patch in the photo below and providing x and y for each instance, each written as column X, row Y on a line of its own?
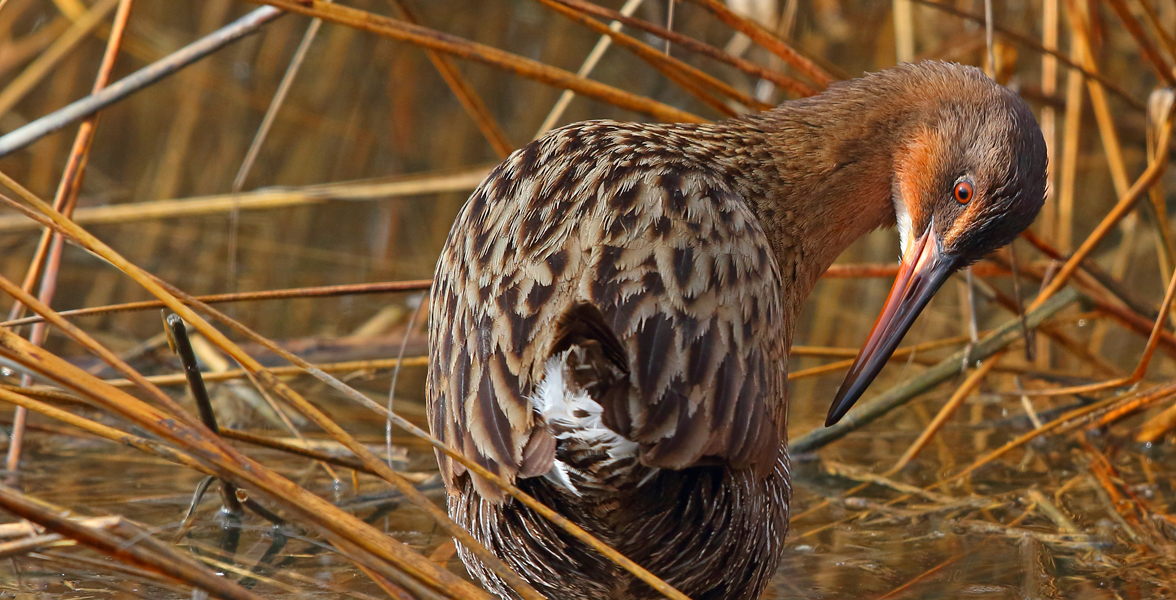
column 575, row 416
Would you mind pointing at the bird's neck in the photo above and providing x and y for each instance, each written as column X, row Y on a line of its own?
column 818, row 173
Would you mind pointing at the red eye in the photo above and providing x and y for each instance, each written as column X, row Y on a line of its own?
column 963, row 192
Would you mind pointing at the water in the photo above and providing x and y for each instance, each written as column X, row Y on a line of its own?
column 986, row 543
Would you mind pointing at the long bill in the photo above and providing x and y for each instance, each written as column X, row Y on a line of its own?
column 922, row 271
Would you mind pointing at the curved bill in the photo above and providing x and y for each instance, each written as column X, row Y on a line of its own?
column 921, row 273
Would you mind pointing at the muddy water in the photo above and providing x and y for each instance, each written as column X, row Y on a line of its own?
column 981, row 543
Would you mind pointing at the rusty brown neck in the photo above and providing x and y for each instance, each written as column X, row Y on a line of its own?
column 818, row 173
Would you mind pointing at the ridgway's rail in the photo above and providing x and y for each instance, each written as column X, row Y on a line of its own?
column 613, row 310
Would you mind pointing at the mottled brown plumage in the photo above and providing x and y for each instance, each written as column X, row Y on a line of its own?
column 612, row 312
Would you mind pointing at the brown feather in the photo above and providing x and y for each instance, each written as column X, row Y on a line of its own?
column 661, row 267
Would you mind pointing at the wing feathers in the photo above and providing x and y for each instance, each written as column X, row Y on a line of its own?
column 643, row 258
column 584, row 323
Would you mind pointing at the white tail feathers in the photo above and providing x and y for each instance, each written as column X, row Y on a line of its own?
column 574, row 417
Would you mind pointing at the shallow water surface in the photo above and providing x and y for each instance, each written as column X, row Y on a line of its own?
column 978, row 542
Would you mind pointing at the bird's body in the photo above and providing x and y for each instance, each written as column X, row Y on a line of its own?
column 611, row 319
column 661, row 244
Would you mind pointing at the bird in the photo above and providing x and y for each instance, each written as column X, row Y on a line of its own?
column 613, row 309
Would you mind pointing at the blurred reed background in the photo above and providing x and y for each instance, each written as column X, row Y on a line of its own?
column 375, row 142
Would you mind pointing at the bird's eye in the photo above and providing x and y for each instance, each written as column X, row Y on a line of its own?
column 963, row 192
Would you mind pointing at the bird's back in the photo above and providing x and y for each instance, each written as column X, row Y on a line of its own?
column 607, row 331
column 641, row 224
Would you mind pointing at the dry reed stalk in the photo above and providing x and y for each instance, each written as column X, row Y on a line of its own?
column 1149, row 430
column 1049, row 82
column 1057, row 335
column 1108, row 294
column 70, row 183
column 864, row 476
column 25, row 528
column 1135, row 323
column 1153, row 21
column 104, row 431
column 381, row 189
column 1112, row 148
column 327, row 291
column 1159, row 105
column 172, row 165
column 768, row 41
column 834, row 367
column 1067, row 421
column 124, row 572
column 225, row 462
column 874, row 408
column 303, row 451
column 843, row 365
column 155, row 557
column 18, row 52
column 275, row 409
column 341, row 367
column 172, row 168
column 86, row 341
column 693, row 45
column 1125, row 204
column 875, row 270
column 47, row 257
column 144, row 77
column 1155, row 428
column 1144, row 359
column 957, row 398
column 225, row 564
column 74, row 9
column 693, row 80
column 58, row 90
column 831, row 352
column 20, row 86
column 1071, row 146
column 1132, row 512
column 46, row 393
column 906, row 353
column 1048, row 118
column 451, row 44
column 603, row 43
column 850, row 271
column 271, row 112
column 688, row 78
column 1070, row 61
column 1146, row 47
column 36, row 543
column 469, row 99
column 904, row 30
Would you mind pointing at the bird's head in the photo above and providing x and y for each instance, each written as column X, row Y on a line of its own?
column 969, row 176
